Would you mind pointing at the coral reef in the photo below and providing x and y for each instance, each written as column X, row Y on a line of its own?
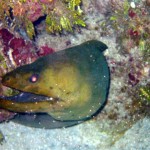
column 131, row 25
column 128, row 100
column 58, row 14
column 16, row 51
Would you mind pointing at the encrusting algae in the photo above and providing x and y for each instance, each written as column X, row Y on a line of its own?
column 58, row 15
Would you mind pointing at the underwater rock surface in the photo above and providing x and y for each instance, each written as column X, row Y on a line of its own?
column 75, row 138
column 76, row 80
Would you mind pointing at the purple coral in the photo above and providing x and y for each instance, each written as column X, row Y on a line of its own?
column 19, row 51
column 45, row 50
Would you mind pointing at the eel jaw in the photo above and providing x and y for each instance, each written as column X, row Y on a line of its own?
column 38, row 120
column 26, row 97
column 26, row 103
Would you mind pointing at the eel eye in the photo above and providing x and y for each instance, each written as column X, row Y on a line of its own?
column 34, row 78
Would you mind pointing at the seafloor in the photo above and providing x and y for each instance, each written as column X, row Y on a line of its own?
column 122, row 124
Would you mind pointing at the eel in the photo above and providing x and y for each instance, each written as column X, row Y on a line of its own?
column 61, row 89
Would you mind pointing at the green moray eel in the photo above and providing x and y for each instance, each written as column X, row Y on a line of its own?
column 75, row 82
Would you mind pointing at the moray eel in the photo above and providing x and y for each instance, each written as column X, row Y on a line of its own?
column 61, row 89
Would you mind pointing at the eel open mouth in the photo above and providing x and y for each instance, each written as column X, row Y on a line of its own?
column 25, row 102
column 38, row 120
column 26, row 97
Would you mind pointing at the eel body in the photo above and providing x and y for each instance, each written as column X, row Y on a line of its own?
column 66, row 87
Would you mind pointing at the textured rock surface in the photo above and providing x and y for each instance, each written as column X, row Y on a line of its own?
column 87, row 136
column 136, row 138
